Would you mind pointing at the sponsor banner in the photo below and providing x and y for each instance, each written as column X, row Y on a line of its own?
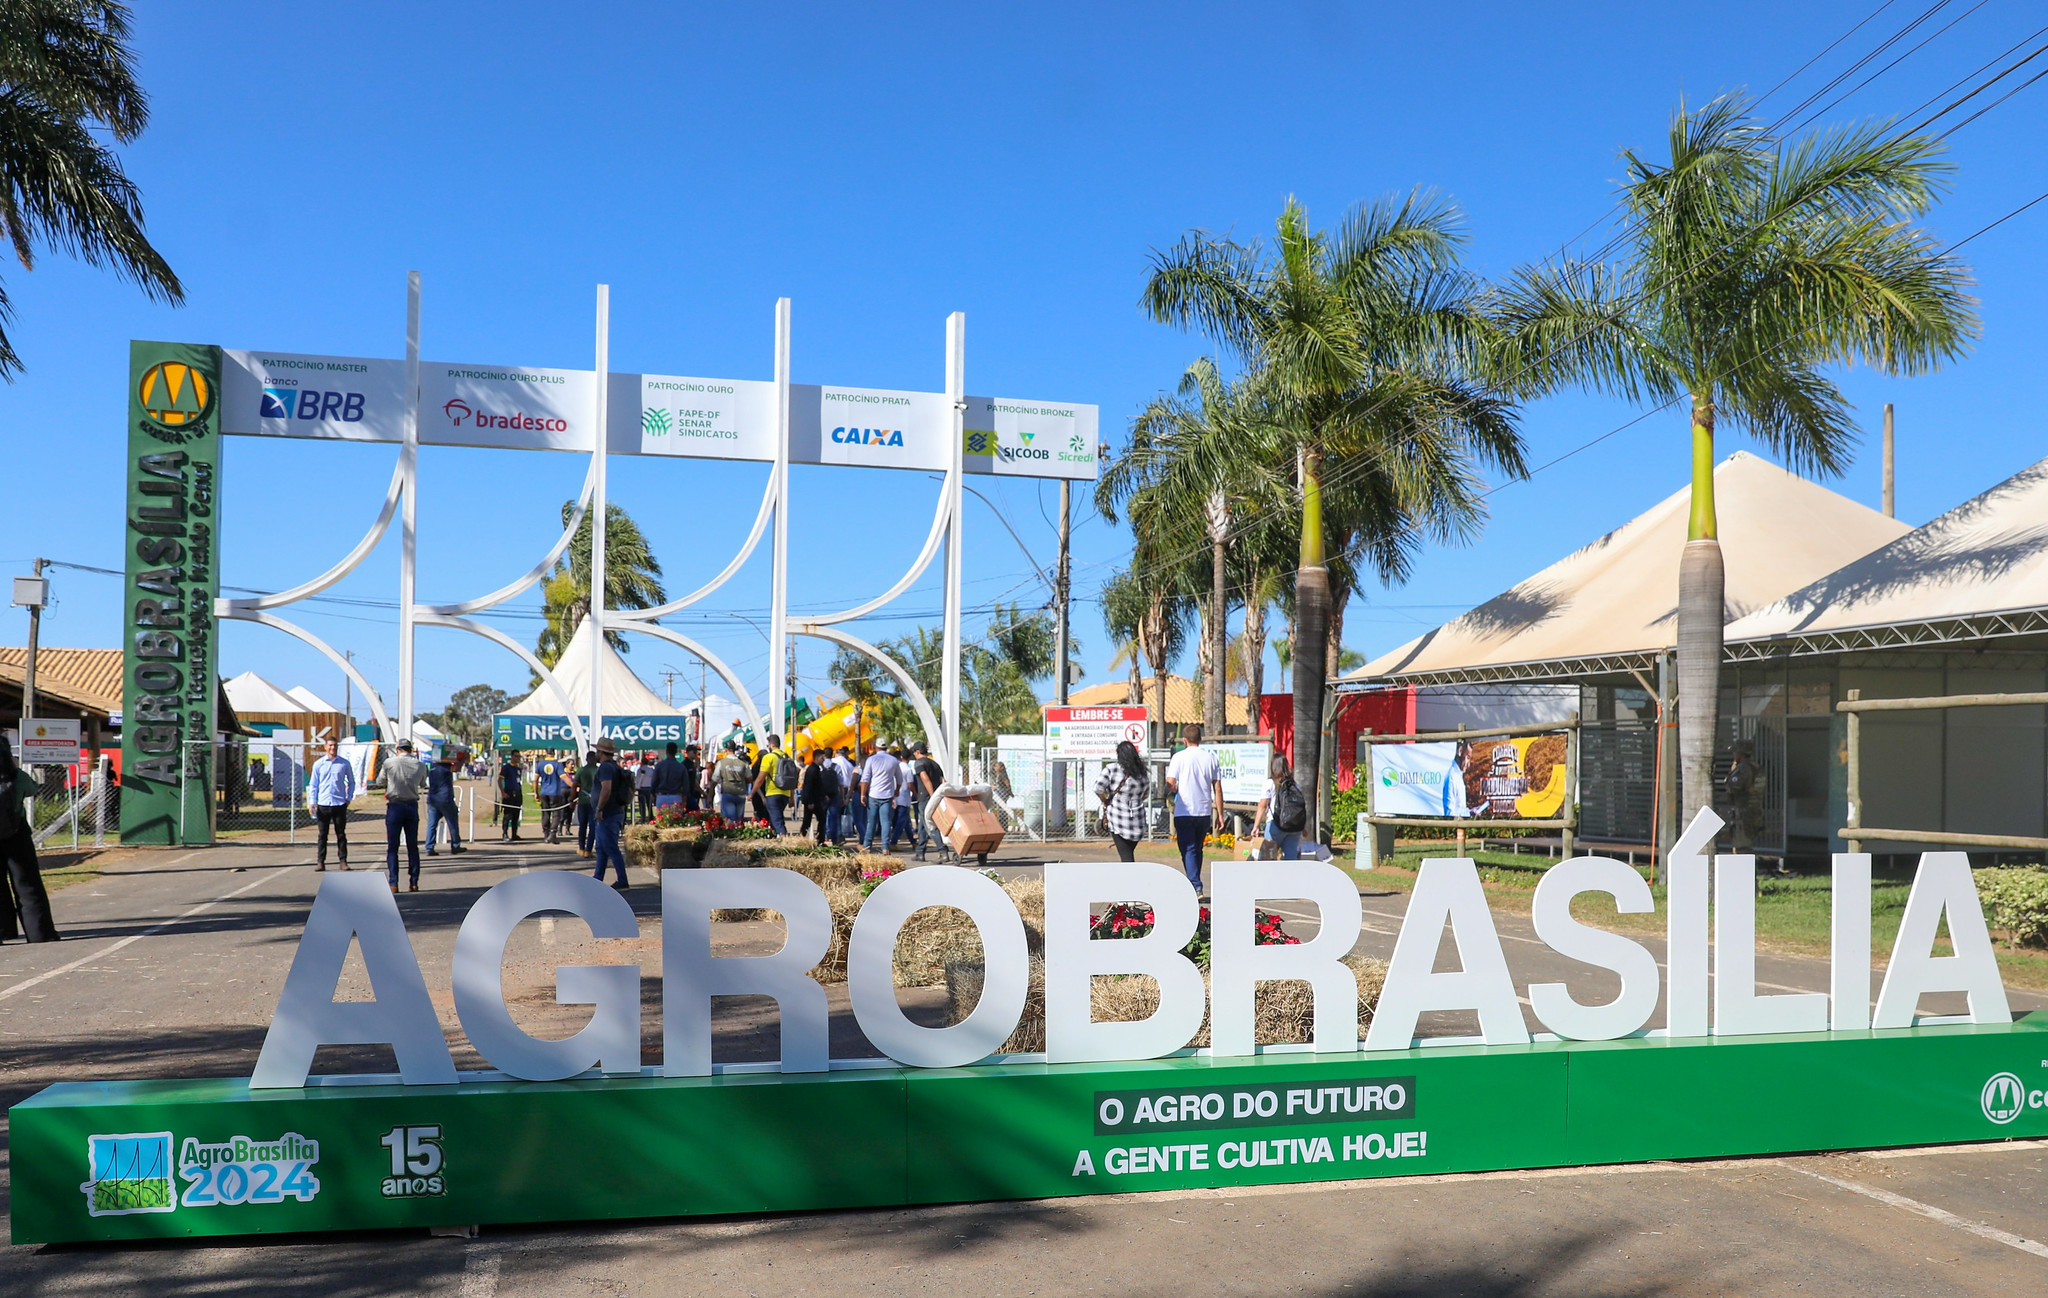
column 516, row 407
column 1030, row 439
column 156, row 1159
column 554, row 733
column 720, row 419
column 286, row 394
column 170, row 651
column 1086, row 734
column 1486, row 779
column 1245, row 769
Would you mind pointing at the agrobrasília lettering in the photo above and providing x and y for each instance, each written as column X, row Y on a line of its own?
column 1447, row 891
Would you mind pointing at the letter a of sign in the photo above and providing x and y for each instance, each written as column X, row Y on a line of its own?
column 357, row 905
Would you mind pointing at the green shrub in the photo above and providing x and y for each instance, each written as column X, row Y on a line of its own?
column 2016, row 901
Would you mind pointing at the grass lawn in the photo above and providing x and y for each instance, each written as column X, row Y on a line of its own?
column 1792, row 914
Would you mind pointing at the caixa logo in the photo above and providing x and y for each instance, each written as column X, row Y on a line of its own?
column 305, row 403
column 460, row 413
column 2005, row 1097
column 868, row 436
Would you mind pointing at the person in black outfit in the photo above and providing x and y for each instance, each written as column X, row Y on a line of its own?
column 24, row 904
column 819, row 788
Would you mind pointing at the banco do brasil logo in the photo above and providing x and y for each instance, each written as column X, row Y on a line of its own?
column 2004, row 1098
column 175, row 399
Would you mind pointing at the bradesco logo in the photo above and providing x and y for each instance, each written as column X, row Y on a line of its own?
column 461, row 413
column 877, row 437
column 2005, row 1097
column 290, row 402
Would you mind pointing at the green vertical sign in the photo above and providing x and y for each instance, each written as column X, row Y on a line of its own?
column 169, row 647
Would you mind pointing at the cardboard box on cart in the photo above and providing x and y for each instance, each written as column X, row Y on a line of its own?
column 966, row 820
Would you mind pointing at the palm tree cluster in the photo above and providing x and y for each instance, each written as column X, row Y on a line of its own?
column 66, row 72
column 632, row 579
column 1375, row 386
column 998, row 673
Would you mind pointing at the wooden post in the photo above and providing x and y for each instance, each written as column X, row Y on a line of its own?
column 1855, row 777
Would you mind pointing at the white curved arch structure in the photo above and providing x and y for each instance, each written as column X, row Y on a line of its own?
column 934, row 733
column 495, row 636
column 768, row 502
column 227, row 608
column 940, row 518
column 539, row 570
column 338, row 571
column 711, row 660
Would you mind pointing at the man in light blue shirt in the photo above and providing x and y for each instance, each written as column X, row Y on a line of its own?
column 881, row 778
column 332, row 787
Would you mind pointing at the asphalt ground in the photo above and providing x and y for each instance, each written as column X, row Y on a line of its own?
column 174, row 959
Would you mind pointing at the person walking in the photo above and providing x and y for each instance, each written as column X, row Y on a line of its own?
column 586, row 786
column 671, row 777
column 881, row 776
column 1195, row 779
column 1123, row 789
column 441, row 804
column 734, row 778
column 707, row 782
column 331, row 788
column 405, row 783
column 902, row 756
column 1283, row 810
column 693, row 778
column 549, row 785
column 848, row 802
column 926, row 776
column 511, row 799
column 820, row 790
column 610, row 791
column 776, row 783
column 643, row 787
column 24, row 902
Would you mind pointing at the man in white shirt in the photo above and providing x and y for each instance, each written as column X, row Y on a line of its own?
column 849, row 797
column 1195, row 779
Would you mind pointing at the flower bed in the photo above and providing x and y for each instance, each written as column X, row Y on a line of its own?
column 1133, row 919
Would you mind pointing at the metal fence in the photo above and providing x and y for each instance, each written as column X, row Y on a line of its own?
column 1056, row 802
column 71, row 808
column 1617, row 779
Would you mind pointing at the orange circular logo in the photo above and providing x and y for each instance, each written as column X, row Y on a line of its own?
column 176, row 397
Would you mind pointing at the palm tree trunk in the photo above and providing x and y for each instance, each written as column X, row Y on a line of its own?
column 1701, row 615
column 1311, row 614
column 1254, row 650
column 1213, row 693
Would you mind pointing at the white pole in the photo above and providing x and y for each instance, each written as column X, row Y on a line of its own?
column 778, row 595
column 956, row 396
column 598, row 509
column 409, row 462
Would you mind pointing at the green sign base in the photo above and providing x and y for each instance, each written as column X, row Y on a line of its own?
column 156, row 1159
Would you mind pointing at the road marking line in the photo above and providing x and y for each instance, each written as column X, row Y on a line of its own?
column 48, row 974
column 1982, row 1147
column 1942, row 1215
column 480, row 1273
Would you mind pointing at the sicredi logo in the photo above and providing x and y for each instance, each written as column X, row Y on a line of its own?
column 459, row 411
column 868, row 436
column 2005, row 1097
column 288, row 402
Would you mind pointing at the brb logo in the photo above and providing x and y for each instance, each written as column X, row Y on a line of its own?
column 305, row 403
column 868, row 436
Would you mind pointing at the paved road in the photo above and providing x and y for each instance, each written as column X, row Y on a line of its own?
column 175, row 961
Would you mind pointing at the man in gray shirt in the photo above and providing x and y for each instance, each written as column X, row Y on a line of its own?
column 405, row 783
column 881, row 778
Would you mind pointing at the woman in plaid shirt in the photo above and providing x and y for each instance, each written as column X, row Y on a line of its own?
column 1122, row 788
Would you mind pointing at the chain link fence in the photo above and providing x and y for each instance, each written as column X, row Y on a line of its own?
column 1054, row 802
column 75, row 806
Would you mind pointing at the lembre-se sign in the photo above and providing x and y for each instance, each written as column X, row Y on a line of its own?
column 1446, row 890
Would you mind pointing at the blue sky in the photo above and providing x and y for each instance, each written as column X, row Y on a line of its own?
column 883, row 166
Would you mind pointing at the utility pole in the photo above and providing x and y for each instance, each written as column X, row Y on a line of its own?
column 1060, row 593
column 1888, row 461
column 39, row 597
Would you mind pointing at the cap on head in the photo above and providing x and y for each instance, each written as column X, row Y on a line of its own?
column 405, row 745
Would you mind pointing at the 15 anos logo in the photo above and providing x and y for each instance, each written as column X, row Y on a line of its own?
column 2005, row 1097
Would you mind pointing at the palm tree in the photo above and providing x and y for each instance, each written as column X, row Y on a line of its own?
column 632, row 579
column 65, row 73
column 1752, row 265
column 1370, row 345
column 1123, row 616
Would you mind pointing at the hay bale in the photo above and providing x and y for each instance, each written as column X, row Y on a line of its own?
column 928, row 939
column 964, row 979
column 726, row 854
column 845, row 903
column 827, row 869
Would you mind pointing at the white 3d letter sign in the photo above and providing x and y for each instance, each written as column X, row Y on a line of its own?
column 1720, row 937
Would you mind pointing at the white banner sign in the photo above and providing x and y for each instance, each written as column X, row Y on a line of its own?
column 1417, row 780
column 517, row 407
column 1246, row 769
column 48, row 742
column 1085, row 733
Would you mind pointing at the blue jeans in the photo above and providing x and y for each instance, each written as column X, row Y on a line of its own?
column 778, row 806
column 733, row 806
column 439, row 814
column 401, row 819
column 667, row 800
column 1290, row 844
column 1188, row 833
column 880, row 825
column 607, row 834
column 902, row 823
column 926, row 832
column 834, row 829
column 854, row 817
column 583, row 825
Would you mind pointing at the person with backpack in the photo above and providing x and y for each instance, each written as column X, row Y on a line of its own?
column 732, row 777
column 926, row 776
column 1288, row 809
column 1123, row 789
column 820, row 791
column 511, row 799
column 611, row 792
column 777, row 783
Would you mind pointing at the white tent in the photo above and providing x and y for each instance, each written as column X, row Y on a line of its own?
column 625, row 695
column 251, row 693
column 308, row 700
column 1614, row 604
column 1979, row 570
